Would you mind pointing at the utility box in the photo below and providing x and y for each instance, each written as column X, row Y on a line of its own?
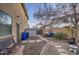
column 32, row 32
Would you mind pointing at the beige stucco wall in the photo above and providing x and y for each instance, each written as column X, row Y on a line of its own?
column 18, row 16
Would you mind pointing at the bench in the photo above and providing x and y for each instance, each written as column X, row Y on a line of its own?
column 74, row 49
column 7, row 45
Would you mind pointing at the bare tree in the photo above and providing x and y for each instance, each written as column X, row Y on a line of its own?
column 76, row 20
column 65, row 12
column 70, row 15
column 44, row 14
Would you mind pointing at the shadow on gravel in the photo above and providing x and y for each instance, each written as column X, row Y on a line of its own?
column 34, row 48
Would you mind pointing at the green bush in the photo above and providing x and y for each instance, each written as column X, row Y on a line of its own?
column 60, row 36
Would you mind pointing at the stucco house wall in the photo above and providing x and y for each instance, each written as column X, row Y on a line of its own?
column 16, row 11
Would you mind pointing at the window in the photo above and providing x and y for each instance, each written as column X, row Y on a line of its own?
column 5, row 24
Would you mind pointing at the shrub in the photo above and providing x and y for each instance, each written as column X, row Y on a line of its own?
column 60, row 36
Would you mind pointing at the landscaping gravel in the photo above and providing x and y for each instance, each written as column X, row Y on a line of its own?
column 34, row 48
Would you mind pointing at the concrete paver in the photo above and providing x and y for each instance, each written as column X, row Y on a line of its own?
column 44, row 39
column 31, row 41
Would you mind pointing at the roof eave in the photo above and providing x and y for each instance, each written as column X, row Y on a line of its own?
column 26, row 14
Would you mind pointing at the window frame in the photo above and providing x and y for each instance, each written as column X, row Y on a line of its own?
column 11, row 21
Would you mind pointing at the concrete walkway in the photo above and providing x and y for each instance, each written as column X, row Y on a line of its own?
column 44, row 39
column 49, row 50
column 52, row 48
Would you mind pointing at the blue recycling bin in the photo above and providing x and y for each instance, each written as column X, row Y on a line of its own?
column 50, row 34
column 25, row 35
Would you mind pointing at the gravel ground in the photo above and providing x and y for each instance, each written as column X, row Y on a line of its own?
column 34, row 48
column 63, row 43
column 49, row 49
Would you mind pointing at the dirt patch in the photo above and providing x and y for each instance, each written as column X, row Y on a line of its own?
column 34, row 48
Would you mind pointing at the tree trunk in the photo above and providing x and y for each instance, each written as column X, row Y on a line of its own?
column 72, row 32
column 76, row 23
column 76, row 35
column 44, row 31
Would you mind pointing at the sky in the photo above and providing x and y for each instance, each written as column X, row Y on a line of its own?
column 31, row 8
